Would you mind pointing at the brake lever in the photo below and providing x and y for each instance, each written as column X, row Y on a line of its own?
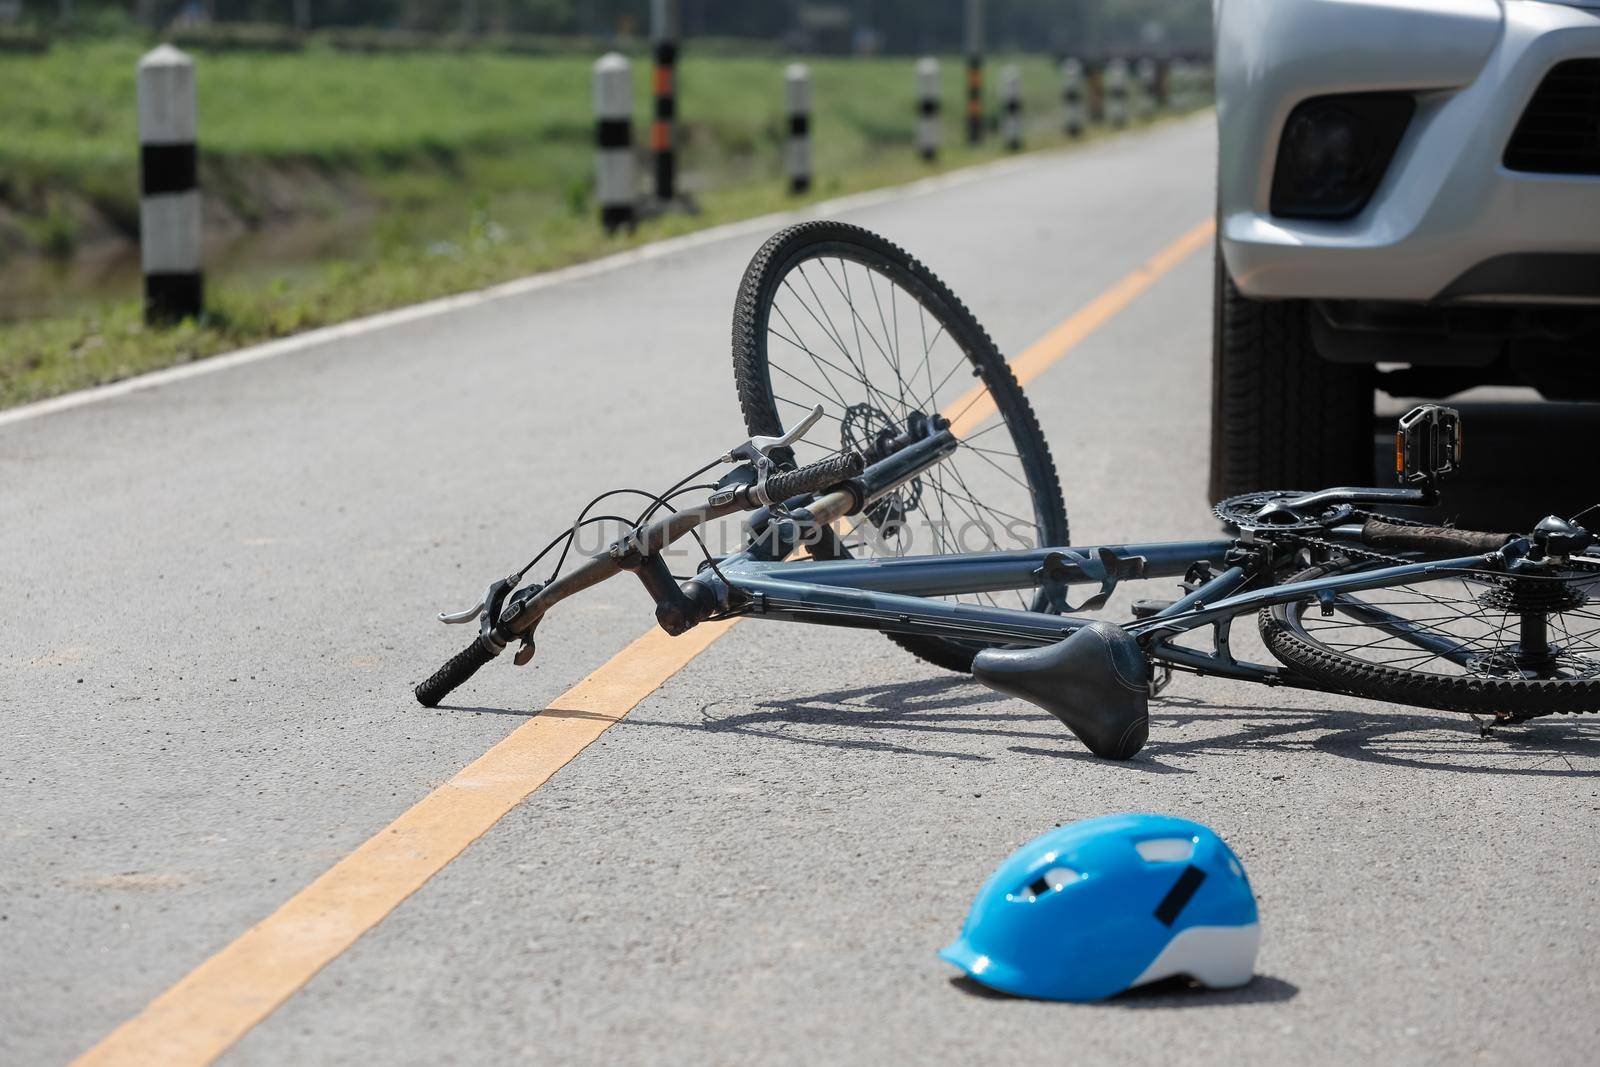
column 759, row 448
column 490, row 604
column 455, row 618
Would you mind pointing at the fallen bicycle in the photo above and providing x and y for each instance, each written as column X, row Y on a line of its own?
column 924, row 420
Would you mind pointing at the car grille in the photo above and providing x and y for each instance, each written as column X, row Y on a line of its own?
column 1560, row 131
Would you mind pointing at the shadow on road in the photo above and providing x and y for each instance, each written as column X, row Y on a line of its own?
column 917, row 713
column 910, row 718
column 1180, row 992
column 1520, row 462
column 1177, row 992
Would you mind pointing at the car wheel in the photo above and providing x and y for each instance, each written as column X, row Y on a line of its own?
column 1282, row 417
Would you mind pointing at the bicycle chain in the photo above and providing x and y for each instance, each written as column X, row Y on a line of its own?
column 1366, row 554
column 1579, row 564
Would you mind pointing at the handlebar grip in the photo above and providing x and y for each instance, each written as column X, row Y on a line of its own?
column 1445, row 540
column 462, row 665
column 817, row 476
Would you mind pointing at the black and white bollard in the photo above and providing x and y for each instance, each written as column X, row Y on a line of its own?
column 1116, row 79
column 797, row 105
column 613, row 109
column 974, row 99
column 169, row 187
column 1011, row 107
column 664, row 126
column 974, row 71
column 928, row 108
column 1148, row 76
column 1072, row 97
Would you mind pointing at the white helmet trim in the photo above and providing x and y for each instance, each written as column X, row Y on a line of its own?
column 1217, row 956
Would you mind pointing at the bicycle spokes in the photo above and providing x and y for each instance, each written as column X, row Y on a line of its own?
column 875, row 357
column 1472, row 624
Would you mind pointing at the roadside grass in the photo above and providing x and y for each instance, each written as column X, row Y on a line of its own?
column 478, row 166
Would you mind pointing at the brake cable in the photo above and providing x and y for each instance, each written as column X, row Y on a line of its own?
column 657, row 502
column 567, row 534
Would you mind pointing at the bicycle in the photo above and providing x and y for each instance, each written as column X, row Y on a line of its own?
column 1349, row 599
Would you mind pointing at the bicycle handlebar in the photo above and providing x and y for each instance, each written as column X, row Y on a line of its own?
column 647, row 541
column 815, row 477
column 461, row 666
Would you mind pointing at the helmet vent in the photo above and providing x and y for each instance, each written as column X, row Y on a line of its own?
column 1166, row 849
column 1053, row 879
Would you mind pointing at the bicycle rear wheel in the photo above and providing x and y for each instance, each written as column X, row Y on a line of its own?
column 831, row 314
column 1476, row 641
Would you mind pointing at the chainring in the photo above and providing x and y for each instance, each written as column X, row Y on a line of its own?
column 1240, row 512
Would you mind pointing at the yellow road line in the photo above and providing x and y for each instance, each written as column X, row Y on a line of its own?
column 218, row 1002
column 1036, row 358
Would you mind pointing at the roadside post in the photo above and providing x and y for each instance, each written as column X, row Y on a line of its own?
column 664, row 125
column 797, row 104
column 974, row 71
column 1072, row 96
column 1011, row 107
column 1189, row 84
column 169, row 187
column 1117, row 92
column 1148, row 90
column 613, row 108
column 928, row 108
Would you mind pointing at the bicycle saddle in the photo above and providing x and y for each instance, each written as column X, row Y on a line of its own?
column 1097, row 682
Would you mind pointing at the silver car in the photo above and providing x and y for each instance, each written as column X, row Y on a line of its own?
column 1408, row 200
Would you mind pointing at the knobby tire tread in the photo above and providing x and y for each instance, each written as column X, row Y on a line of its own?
column 761, row 279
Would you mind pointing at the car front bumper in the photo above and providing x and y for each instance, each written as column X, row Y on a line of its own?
column 1447, row 205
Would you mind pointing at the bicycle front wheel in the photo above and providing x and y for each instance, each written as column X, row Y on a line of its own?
column 1476, row 641
column 832, row 314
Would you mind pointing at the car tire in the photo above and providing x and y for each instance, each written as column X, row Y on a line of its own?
column 1282, row 417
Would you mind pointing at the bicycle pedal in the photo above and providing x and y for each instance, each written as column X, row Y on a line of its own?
column 1145, row 609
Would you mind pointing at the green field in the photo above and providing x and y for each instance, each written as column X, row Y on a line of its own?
column 459, row 170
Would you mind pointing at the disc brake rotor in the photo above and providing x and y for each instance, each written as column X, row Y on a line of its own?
column 862, row 427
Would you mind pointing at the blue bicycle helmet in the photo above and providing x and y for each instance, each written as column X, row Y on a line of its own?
column 1096, row 907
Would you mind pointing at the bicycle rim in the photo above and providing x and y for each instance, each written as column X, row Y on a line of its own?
column 833, row 315
column 1473, row 641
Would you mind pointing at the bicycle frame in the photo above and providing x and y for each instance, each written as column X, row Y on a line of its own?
column 895, row 594
column 890, row 595
column 1223, row 577
column 1095, row 676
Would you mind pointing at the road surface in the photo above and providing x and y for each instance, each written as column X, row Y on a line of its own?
column 218, row 592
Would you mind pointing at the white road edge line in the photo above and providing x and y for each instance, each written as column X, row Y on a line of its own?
column 384, row 320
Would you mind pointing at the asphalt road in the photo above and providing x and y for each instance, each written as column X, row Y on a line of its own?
column 217, row 594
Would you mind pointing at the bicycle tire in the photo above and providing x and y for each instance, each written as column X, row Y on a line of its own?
column 1286, row 636
column 796, row 245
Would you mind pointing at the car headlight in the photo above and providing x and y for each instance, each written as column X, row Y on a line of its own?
column 1334, row 152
